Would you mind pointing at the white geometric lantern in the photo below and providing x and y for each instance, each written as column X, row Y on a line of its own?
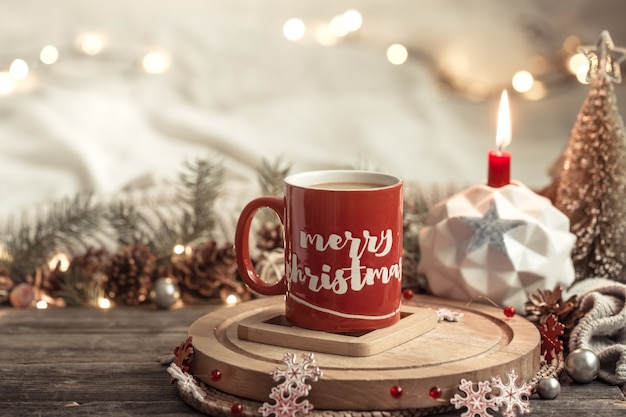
column 496, row 243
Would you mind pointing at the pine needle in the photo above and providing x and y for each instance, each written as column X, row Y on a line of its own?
column 271, row 176
column 201, row 185
column 78, row 289
column 69, row 225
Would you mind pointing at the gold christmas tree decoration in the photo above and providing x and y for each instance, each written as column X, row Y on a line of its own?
column 591, row 185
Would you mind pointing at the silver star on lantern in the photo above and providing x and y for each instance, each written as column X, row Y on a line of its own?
column 489, row 229
column 604, row 59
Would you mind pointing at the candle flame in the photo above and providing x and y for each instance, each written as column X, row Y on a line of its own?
column 503, row 135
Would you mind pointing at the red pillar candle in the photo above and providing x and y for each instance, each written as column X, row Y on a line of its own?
column 499, row 173
column 499, row 170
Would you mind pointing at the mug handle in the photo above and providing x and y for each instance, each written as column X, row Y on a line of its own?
column 242, row 245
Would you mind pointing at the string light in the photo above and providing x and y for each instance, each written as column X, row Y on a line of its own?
column 232, row 299
column 453, row 67
column 537, row 92
column 352, row 20
column 104, row 303
column 338, row 27
column 41, row 305
column 61, row 260
column 90, row 43
column 294, row 29
column 324, row 36
column 522, row 81
column 49, row 55
column 156, row 62
column 571, row 44
column 7, row 83
column 397, row 54
column 18, row 69
column 182, row 249
column 577, row 63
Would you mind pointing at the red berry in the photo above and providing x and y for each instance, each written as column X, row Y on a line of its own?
column 236, row 409
column 435, row 393
column 408, row 294
column 509, row 311
column 215, row 375
column 396, row 391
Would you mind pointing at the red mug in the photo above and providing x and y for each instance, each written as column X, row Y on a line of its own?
column 343, row 249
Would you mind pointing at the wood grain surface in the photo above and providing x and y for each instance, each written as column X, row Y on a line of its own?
column 89, row 362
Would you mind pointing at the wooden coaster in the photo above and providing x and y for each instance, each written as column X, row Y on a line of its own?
column 271, row 327
column 483, row 344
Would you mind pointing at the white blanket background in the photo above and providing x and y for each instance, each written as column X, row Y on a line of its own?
column 239, row 91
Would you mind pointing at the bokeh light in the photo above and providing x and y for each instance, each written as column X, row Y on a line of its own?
column 49, row 54
column 538, row 91
column 7, row 83
column 338, row 27
column 352, row 20
column 397, row 54
column 294, row 29
column 18, row 69
column 91, row 44
column 156, row 62
column 522, row 81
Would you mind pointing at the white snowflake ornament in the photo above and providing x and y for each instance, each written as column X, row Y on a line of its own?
column 511, row 396
column 287, row 394
column 477, row 401
column 445, row 314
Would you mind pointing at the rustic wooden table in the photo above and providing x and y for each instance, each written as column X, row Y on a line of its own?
column 89, row 362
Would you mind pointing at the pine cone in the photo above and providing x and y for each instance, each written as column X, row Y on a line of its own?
column 130, row 275
column 544, row 303
column 46, row 279
column 90, row 263
column 208, row 271
column 270, row 236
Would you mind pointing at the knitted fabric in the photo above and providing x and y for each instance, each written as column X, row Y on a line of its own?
column 603, row 327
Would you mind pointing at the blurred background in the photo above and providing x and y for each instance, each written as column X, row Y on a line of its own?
column 116, row 95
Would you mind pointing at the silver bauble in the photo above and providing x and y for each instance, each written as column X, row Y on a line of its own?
column 582, row 365
column 165, row 293
column 548, row 388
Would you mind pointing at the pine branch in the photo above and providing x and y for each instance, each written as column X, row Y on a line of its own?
column 271, row 176
column 165, row 236
column 125, row 220
column 68, row 226
column 79, row 289
column 160, row 229
column 201, row 186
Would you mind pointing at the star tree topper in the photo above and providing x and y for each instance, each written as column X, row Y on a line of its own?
column 604, row 59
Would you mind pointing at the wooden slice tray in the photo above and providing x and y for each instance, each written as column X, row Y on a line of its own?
column 483, row 344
